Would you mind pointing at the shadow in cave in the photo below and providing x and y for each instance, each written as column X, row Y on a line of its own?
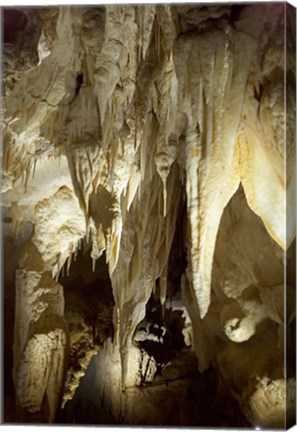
column 88, row 296
column 187, row 397
column 159, row 334
column 7, row 321
column 11, row 252
column 89, row 314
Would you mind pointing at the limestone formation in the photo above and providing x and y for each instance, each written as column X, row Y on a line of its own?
column 148, row 196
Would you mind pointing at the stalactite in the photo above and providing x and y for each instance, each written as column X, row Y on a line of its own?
column 163, row 284
column 69, row 260
column 27, row 174
column 34, row 167
column 7, row 157
column 170, row 106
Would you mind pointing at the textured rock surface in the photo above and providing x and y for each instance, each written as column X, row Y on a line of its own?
column 40, row 342
column 155, row 139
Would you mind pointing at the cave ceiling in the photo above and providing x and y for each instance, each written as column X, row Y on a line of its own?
column 141, row 142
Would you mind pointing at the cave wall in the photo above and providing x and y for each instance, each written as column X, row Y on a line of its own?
column 115, row 118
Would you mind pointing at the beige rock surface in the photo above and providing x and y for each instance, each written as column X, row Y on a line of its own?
column 114, row 119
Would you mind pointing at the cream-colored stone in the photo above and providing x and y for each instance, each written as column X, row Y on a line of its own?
column 273, row 402
column 128, row 114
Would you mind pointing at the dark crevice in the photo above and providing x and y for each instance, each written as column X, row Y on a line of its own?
column 89, row 294
column 14, row 24
column 79, row 82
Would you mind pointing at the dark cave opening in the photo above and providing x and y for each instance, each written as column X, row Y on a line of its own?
column 89, row 307
column 15, row 22
column 88, row 294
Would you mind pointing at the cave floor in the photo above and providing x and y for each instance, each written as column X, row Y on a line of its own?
column 179, row 396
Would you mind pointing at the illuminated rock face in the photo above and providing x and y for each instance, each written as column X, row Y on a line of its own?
column 117, row 118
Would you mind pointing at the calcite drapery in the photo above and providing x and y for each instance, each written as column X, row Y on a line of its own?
column 141, row 105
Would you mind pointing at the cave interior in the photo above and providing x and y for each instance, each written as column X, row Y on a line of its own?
column 148, row 215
